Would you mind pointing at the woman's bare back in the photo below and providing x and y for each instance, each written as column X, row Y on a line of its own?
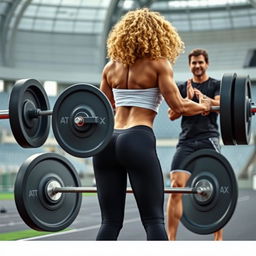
column 141, row 75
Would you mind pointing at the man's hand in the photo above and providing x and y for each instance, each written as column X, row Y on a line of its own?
column 190, row 90
column 198, row 93
column 203, row 99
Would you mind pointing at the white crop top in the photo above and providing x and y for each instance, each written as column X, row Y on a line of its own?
column 149, row 98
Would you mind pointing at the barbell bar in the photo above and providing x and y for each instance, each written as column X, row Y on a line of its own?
column 79, row 120
column 48, row 190
column 52, row 190
column 217, row 108
column 4, row 114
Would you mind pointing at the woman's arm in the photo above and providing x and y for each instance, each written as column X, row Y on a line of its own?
column 106, row 88
column 171, row 94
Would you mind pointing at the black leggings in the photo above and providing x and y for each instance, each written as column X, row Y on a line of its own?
column 131, row 151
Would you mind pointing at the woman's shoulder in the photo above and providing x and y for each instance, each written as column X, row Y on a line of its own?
column 160, row 60
column 146, row 60
column 157, row 64
column 110, row 65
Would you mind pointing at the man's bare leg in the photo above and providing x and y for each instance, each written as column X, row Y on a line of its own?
column 218, row 236
column 174, row 204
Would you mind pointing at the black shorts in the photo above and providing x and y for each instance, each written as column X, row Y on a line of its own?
column 185, row 148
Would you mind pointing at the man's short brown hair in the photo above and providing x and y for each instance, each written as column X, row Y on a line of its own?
column 197, row 52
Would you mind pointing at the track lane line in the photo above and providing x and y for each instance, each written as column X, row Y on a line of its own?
column 75, row 230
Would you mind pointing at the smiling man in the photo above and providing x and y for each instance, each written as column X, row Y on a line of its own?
column 197, row 132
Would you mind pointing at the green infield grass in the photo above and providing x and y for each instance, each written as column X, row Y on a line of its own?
column 6, row 196
column 12, row 236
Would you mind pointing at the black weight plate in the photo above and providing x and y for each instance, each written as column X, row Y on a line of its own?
column 242, row 110
column 226, row 108
column 211, row 216
column 28, row 132
column 35, row 209
column 75, row 99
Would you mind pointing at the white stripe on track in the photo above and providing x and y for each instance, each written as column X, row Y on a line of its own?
column 75, row 230
column 243, row 198
column 10, row 224
column 240, row 199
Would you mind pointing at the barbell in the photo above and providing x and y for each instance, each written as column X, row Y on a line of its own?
column 48, row 192
column 83, row 121
column 82, row 117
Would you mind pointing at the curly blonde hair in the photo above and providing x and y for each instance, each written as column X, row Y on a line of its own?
column 143, row 33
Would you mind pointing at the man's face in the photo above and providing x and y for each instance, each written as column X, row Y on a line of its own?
column 198, row 65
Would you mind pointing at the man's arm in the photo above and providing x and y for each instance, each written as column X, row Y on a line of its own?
column 190, row 94
column 190, row 90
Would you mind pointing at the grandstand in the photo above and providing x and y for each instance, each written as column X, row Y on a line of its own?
column 64, row 41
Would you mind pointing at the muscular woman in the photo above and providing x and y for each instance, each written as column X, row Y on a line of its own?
column 142, row 47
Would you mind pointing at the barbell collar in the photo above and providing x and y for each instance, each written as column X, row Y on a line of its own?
column 4, row 114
